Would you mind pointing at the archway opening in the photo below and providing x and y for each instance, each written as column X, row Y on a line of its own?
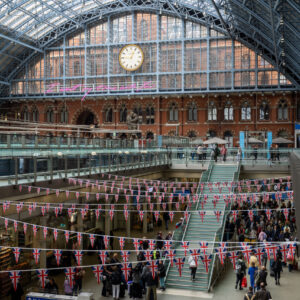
column 86, row 118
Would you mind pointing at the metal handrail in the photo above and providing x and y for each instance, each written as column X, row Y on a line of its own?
column 221, row 228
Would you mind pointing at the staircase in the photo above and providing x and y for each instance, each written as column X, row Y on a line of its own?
column 206, row 231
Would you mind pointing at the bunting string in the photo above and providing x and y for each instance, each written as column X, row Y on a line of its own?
column 79, row 235
column 138, row 180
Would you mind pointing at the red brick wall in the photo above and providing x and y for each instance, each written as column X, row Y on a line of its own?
column 162, row 104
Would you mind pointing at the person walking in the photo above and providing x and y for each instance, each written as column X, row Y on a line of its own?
column 67, row 288
column 166, row 218
column 151, row 284
column 216, row 153
column 277, row 268
column 262, row 294
column 249, row 294
column 79, row 273
column 224, row 152
column 200, row 152
column 161, row 275
column 252, row 272
column 116, row 279
column 262, row 277
column 240, row 272
column 193, row 267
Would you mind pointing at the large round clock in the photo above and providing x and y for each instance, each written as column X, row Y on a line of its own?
column 131, row 57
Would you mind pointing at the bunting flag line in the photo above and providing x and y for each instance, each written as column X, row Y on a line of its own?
column 206, row 259
column 17, row 253
column 36, row 255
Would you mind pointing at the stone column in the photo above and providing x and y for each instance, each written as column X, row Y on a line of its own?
column 145, row 223
column 43, row 243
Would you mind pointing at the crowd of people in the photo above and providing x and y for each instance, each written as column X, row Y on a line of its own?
column 259, row 230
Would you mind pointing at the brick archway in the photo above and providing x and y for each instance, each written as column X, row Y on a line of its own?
column 86, row 110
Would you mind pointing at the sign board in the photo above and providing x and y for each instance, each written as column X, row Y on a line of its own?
column 44, row 296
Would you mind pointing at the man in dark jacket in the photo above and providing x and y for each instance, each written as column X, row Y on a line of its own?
column 161, row 275
column 151, row 284
column 240, row 272
column 262, row 277
column 277, row 268
column 249, row 294
column 262, row 294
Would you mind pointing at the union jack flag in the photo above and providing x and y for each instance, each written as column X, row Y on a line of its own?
column 17, row 252
column 153, row 267
column 126, row 268
column 57, row 254
column 141, row 214
column 185, row 245
column 70, row 272
column 92, row 239
column 106, row 240
column 201, row 214
column 203, row 246
column 55, row 232
column 42, row 275
column 121, row 242
column 126, row 214
column 97, row 270
column 79, row 238
column 45, row 231
column 125, row 255
column 171, row 215
column 15, row 277
column 78, row 254
column 67, row 235
column 156, row 215
column 195, row 253
column 36, row 255
column 179, row 263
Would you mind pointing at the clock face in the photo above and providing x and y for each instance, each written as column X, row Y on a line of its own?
column 131, row 57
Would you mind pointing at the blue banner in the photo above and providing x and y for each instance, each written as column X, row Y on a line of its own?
column 242, row 142
column 159, row 141
column 269, row 142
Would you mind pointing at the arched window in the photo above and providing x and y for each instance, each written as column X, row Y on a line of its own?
column 283, row 133
column 173, row 112
column 246, row 61
column 139, row 111
column 264, row 111
column 50, row 115
column 25, row 114
column 228, row 111
column 212, row 112
column 123, row 114
column 282, row 110
column 211, row 134
column 192, row 134
column 108, row 115
column 149, row 135
column 64, row 115
column 35, row 115
column 192, row 112
column 144, row 29
column 246, row 112
column 150, row 115
column 77, row 68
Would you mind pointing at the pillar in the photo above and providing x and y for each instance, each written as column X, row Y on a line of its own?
column 43, row 243
column 145, row 223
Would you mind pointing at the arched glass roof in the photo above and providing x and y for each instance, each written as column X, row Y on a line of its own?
column 269, row 27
